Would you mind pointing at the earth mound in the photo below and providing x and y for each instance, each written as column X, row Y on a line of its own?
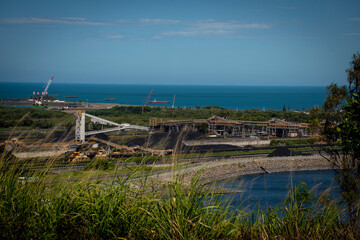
column 281, row 152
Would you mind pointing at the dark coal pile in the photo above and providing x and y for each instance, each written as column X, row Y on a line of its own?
column 249, row 147
column 164, row 140
column 281, row 152
column 213, row 148
column 65, row 136
column 56, row 136
column 139, row 141
column 102, row 136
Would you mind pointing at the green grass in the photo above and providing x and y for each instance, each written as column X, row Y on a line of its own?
column 97, row 174
column 43, row 206
column 292, row 142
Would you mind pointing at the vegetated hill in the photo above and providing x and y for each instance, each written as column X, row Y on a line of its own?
column 33, row 118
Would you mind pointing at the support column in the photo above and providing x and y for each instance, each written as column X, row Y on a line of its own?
column 80, row 126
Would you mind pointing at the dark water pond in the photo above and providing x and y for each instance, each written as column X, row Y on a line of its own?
column 263, row 190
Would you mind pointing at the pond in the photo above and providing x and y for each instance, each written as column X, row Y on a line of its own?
column 263, row 190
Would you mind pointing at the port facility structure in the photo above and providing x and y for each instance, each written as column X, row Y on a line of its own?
column 219, row 126
column 80, row 132
column 215, row 126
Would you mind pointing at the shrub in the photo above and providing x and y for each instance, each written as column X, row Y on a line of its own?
column 99, row 164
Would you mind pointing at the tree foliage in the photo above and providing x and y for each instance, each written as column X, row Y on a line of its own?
column 342, row 131
column 315, row 117
column 30, row 117
column 354, row 74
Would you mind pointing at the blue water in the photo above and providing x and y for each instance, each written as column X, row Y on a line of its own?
column 271, row 189
column 232, row 97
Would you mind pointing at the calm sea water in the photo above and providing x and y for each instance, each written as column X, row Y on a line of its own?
column 232, row 97
column 271, row 189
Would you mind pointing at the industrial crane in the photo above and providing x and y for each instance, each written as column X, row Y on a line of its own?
column 147, row 100
column 173, row 101
column 46, row 88
column 39, row 99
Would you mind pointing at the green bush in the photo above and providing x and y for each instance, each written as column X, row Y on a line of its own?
column 100, row 164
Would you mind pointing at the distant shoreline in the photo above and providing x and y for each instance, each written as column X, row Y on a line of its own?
column 158, row 84
column 227, row 96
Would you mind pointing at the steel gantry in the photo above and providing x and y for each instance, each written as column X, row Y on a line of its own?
column 80, row 132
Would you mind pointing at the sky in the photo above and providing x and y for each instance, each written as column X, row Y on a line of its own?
column 242, row 42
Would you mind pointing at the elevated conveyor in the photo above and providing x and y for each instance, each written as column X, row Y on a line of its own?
column 80, row 132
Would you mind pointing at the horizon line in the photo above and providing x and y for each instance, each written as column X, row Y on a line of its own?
column 167, row 84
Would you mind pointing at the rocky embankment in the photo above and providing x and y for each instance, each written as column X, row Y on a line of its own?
column 225, row 169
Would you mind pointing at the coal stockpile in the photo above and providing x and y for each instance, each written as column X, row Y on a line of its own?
column 213, row 148
column 164, row 140
column 102, row 136
column 281, row 152
column 139, row 141
column 52, row 137
column 62, row 136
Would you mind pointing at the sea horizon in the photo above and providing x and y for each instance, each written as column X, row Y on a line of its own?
column 227, row 96
column 162, row 84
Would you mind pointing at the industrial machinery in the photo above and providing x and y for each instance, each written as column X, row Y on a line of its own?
column 173, row 105
column 41, row 100
column 147, row 100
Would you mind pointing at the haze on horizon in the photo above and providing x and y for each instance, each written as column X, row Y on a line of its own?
column 179, row 42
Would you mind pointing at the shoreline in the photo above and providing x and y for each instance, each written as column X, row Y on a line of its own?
column 226, row 169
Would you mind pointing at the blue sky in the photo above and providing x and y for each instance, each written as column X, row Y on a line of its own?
column 179, row 42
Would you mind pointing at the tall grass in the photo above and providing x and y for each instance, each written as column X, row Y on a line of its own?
column 32, row 207
column 36, row 205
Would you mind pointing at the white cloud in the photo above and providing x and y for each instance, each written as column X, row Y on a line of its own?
column 147, row 21
column 196, row 32
column 212, row 24
column 209, row 27
column 74, row 18
column 158, row 21
column 36, row 20
column 214, row 28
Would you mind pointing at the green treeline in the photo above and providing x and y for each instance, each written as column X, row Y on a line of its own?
column 41, row 118
column 141, row 115
column 33, row 118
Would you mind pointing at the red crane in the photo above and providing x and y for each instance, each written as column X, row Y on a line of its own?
column 147, row 100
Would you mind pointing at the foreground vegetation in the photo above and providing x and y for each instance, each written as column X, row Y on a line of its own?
column 38, row 206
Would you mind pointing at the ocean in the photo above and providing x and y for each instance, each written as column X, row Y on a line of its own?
column 232, row 97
